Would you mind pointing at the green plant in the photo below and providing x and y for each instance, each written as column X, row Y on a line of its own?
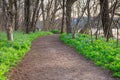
column 55, row 31
column 12, row 52
column 103, row 53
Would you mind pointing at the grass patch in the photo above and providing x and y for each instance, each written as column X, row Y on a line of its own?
column 103, row 53
column 12, row 52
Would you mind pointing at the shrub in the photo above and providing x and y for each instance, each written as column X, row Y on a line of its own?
column 55, row 31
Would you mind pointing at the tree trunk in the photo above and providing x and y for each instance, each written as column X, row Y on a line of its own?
column 8, row 15
column 16, row 15
column 9, row 32
column 62, row 28
column 33, row 25
column 69, row 4
column 36, row 19
column 106, row 19
column 27, row 14
column 43, row 15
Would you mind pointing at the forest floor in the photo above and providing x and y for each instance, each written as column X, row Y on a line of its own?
column 50, row 59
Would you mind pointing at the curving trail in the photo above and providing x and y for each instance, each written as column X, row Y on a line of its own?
column 50, row 59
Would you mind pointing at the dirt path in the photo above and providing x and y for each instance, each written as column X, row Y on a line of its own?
column 50, row 59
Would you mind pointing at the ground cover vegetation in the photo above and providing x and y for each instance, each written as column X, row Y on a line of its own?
column 11, row 52
column 103, row 53
column 55, row 31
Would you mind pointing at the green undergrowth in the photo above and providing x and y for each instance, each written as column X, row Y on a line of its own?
column 103, row 53
column 55, row 31
column 12, row 52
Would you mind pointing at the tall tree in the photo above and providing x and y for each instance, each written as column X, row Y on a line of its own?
column 104, row 4
column 69, row 4
column 8, row 16
column 63, row 16
column 35, row 10
column 43, row 14
column 16, row 15
column 27, row 14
